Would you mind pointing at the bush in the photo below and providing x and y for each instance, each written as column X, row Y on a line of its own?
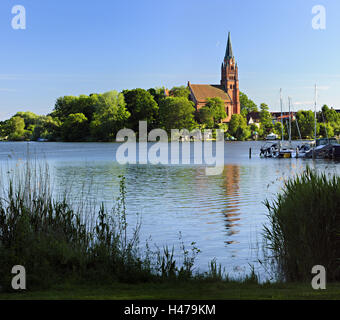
column 304, row 226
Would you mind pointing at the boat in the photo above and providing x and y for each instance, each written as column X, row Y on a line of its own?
column 271, row 136
column 325, row 149
column 280, row 149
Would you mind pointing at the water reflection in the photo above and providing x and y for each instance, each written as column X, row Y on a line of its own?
column 223, row 214
column 232, row 208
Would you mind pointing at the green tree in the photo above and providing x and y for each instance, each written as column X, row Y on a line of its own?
column 177, row 113
column 48, row 128
column 217, row 109
column 328, row 115
column 325, row 130
column 110, row 117
column 4, row 129
column 238, row 127
column 142, row 107
column 16, row 128
column 158, row 94
column 266, row 121
column 181, row 91
column 67, row 105
column 75, row 127
column 306, row 123
column 206, row 117
column 247, row 105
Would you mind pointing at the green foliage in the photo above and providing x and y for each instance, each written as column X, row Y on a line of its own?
column 177, row 113
column 16, row 128
column 110, row 116
column 328, row 115
column 247, row 105
column 216, row 108
column 4, row 129
column 180, row 92
column 206, row 117
column 325, row 130
column 304, row 225
column 142, row 107
column 75, row 127
column 306, row 123
column 158, row 94
column 238, row 127
column 67, row 105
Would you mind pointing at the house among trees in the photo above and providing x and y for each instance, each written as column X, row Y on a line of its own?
column 253, row 118
column 227, row 90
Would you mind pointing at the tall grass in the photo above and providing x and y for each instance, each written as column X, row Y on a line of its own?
column 58, row 241
column 304, row 227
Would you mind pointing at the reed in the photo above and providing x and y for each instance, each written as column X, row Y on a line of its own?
column 304, row 227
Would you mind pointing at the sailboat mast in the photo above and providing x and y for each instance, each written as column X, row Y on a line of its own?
column 315, row 99
column 282, row 136
column 290, row 123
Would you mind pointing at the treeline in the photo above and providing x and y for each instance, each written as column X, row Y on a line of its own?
column 98, row 117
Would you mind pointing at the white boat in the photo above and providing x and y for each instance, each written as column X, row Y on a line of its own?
column 272, row 136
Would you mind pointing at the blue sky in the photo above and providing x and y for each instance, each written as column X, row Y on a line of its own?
column 79, row 47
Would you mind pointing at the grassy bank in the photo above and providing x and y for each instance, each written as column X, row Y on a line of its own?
column 195, row 290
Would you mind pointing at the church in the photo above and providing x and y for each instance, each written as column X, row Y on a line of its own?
column 228, row 90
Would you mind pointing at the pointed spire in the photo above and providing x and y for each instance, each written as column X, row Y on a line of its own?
column 229, row 50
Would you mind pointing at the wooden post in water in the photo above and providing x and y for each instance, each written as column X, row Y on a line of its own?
column 249, row 153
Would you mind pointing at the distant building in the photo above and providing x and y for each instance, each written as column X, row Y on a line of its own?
column 253, row 118
column 276, row 116
column 227, row 90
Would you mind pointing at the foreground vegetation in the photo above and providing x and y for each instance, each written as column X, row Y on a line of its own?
column 194, row 290
column 304, row 227
column 98, row 117
column 75, row 252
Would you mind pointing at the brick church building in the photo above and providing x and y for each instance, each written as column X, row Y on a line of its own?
column 227, row 90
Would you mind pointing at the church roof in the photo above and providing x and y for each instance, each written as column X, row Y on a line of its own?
column 204, row 91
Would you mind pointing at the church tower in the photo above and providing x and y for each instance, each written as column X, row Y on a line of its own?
column 229, row 77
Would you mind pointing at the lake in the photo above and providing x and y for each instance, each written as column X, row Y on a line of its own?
column 224, row 214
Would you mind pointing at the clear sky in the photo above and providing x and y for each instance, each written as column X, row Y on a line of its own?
column 80, row 47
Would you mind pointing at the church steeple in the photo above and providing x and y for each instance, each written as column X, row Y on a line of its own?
column 229, row 77
column 229, row 50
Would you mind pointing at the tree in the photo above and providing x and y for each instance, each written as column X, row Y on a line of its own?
column 4, row 129
column 67, row 105
column 265, row 119
column 328, row 115
column 158, row 94
column 217, row 109
column 238, row 127
column 177, row 113
column 142, row 107
column 48, row 128
column 247, row 105
column 16, row 128
column 325, row 130
column 111, row 115
column 305, row 120
column 75, row 127
column 206, row 117
column 180, row 92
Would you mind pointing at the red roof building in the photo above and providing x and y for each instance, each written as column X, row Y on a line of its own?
column 228, row 90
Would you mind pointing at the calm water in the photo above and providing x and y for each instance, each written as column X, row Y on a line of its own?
column 223, row 214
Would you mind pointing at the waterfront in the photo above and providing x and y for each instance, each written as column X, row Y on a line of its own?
column 223, row 214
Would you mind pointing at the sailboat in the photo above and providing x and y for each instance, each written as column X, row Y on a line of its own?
column 325, row 148
column 281, row 149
